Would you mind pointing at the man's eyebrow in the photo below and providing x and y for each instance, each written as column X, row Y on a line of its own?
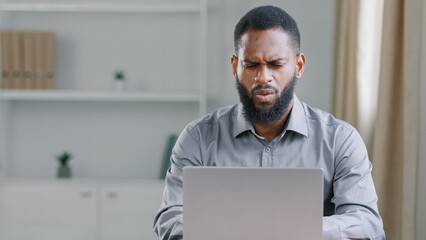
column 249, row 61
column 276, row 60
column 273, row 60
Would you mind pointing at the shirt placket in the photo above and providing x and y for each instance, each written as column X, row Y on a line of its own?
column 267, row 160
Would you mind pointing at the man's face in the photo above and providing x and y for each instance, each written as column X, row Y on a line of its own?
column 267, row 67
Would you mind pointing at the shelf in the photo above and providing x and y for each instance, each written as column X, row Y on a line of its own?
column 113, row 8
column 75, row 95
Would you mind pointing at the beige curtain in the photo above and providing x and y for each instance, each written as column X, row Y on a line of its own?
column 396, row 136
column 358, row 41
column 393, row 142
column 345, row 104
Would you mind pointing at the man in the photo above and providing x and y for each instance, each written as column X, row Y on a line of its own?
column 271, row 127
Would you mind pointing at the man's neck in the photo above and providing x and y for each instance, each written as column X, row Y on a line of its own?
column 270, row 132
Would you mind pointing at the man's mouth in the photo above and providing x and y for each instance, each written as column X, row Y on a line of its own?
column 264, row 95
column 264, row 91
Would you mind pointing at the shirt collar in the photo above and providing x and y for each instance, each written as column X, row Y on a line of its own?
column 296, row 121
column 241, row 124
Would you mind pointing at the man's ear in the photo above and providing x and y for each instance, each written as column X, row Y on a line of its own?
column 234, row 62
column 300, row 65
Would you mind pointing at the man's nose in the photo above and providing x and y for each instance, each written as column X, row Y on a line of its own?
column 263, row 75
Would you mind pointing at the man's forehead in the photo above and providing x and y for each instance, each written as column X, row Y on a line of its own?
column 254, row 35
column 273, row 42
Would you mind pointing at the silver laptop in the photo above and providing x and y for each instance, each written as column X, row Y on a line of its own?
column 252, row 203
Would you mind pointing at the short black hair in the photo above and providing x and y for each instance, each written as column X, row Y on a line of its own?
column 264, row 18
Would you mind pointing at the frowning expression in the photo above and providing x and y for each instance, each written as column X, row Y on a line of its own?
column 266, row 64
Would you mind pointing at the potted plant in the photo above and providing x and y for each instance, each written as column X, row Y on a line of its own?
column 119, row 79
column 64, row 170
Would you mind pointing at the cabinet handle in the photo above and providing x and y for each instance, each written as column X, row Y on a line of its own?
column 112, row 195
column 86, row 194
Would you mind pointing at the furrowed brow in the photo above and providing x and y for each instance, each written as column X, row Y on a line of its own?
column 276, row 60
column 249, row 61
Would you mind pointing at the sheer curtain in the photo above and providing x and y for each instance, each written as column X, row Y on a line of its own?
column 357, row 64
column 345, row 104
column 381, row 98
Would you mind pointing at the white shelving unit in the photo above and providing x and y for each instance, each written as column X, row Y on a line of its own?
column 8, row 7
column 9, row 99
column 73, row 95
column 114, row 135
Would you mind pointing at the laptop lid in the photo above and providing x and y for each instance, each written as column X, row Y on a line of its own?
column 252, row 203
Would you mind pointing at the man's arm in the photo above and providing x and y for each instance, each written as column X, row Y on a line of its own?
column 356, row 214
column 168, row 223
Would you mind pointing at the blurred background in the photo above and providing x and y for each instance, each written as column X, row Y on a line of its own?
column 119, row 80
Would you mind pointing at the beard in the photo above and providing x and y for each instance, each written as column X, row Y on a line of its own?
column 265, row 115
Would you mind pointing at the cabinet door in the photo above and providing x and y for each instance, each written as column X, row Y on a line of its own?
column 128, row 210
column 49, row 211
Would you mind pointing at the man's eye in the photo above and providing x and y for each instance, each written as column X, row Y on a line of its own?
column 250, row 65
column 277, row 65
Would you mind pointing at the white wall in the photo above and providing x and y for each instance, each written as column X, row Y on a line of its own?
column 316, row 25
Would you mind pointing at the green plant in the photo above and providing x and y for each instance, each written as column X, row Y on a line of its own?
column 64, row 158
column 119, row 75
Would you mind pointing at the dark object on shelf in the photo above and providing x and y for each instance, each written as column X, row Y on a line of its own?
column 64, row 171
column 119, row 75
column 171, row 140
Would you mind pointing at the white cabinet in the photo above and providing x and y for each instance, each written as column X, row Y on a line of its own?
column 128, row 210
column 79, row 209
column 49, row 210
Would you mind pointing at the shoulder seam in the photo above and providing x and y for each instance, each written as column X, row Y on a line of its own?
column 335, row 123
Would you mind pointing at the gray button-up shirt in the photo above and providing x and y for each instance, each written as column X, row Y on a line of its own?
column 312, row 139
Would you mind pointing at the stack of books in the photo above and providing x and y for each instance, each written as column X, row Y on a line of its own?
column 27, row 60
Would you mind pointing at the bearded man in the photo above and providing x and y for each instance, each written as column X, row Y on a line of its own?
column 271, row 127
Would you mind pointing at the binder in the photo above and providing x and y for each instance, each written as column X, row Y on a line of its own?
column 29, row 60
column 17, row 61
column 39, row 60
column 6, row 60
column 49, row 75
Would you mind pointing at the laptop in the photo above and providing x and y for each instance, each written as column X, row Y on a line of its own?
column 252, row 203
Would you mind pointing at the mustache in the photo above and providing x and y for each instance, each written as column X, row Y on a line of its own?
column 263, row 86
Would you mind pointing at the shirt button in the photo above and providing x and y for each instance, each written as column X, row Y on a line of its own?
column 268, row 149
